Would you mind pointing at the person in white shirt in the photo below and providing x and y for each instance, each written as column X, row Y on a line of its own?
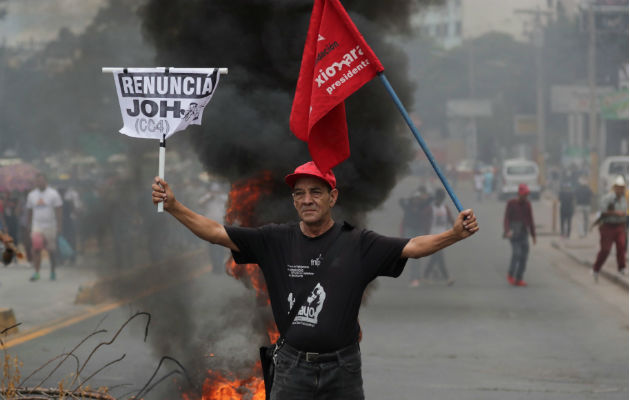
column 478, row 179
column 44, row 221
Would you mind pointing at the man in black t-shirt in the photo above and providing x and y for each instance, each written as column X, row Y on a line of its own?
column 319, row 358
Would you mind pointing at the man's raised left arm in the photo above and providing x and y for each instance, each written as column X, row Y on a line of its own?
column 421, row 246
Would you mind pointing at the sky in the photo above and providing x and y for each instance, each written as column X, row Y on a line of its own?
column 40, row 20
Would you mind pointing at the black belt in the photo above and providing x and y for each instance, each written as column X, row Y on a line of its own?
column 309, row 356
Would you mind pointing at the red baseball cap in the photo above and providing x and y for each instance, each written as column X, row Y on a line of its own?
column 523, row 189
column 310, row 169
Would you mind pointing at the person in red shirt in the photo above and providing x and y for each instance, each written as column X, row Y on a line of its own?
column 517, row 223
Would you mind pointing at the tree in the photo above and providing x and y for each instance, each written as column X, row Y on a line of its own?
column 502, row 74
column 59, row 99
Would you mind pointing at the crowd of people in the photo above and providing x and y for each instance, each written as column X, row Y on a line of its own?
column 32, row 219
column 61, row 221
column 64, row 219
column 568, row 187
column 613, row 227
column 427, row 214
column 484, row 182
column 573, row 194
column 575, row 197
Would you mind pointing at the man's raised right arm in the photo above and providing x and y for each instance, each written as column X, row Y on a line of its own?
column 203, row 227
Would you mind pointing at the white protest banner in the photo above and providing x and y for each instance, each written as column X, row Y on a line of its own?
column 157, row 102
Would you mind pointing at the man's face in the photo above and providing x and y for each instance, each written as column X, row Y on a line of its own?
column 619, row 190
column 40, row 182
column 313, row 199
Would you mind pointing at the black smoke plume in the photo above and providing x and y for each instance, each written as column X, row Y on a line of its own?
column 246, row 126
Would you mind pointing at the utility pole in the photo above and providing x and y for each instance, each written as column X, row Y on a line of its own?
column 593, row 133
column 540, row 104
column 472, row 87
column 471, row 125
column 537, row 37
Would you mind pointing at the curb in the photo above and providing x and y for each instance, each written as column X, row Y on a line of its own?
column 606, row 274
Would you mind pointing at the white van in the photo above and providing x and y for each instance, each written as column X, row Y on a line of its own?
column 610, row 168
column 516, row 171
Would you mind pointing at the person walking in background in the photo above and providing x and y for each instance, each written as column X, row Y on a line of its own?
column 24, row 229
column 11, row 217
column 11, row 213
column 553, row 178
column 478, row 179
column 440, row 218
column 72, row 206
column 214, row 202
column 3, row 199
column 44, row 220
column 583, row 196
column 518, row 222
column 567, row 207
column 488, row 182
column 612, row 228
column 415, row 222
column 451, row 174
column 573, row 175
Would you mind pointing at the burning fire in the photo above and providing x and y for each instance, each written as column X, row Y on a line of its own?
column 244, row 198
column 241, row 210
column 251, row 276
column 219, row 387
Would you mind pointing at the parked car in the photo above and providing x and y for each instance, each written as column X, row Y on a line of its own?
column 610, row 168
column 516, row 171
column 466, row 168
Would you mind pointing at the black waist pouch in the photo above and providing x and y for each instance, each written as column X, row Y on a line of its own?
column 268, row 367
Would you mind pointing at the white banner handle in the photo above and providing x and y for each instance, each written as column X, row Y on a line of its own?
column 161, row 161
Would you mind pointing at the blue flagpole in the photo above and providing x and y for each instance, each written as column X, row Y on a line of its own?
column 424, row 146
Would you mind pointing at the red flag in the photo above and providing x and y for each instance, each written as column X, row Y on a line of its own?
column 336, row 62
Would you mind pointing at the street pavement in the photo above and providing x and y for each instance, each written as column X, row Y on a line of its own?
column 479, row 339
column 581, row 249
column 79, row 291
column 562, row 337
column 584, row 250
column 44, row 302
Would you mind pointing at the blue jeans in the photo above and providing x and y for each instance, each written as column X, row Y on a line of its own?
column 335, row 376
column 520, row 250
